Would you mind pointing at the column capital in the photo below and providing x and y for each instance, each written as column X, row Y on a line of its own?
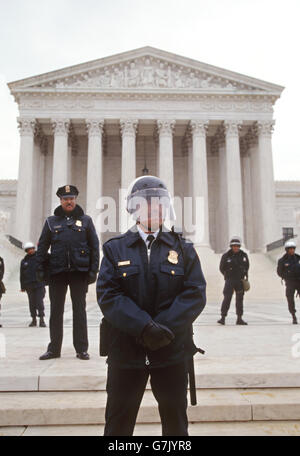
column 165, row 127
column 27, row 126
column 265, row 128
column 128, row 127
column 60, row 127
column 94, row 127
column 199, row 127
column 232, row 128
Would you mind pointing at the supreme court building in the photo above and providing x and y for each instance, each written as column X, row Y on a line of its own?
column 206, row 131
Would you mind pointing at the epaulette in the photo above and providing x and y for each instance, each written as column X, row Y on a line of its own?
column 178, row 231
column 119, row 236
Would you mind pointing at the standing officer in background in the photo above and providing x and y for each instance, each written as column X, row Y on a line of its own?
column 150, row 289
column 34, row 289
column 288, row 268
column 2, row 287
column 73, row 262
column 234, row 266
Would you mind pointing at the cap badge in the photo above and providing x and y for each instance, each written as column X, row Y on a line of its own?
column 173, row 257
column 68, row 189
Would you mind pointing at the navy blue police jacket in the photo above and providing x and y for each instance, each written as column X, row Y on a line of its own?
column 28, row 268
column 288, row 267
column 73, row 240
column 234, row 266
column 131, row 291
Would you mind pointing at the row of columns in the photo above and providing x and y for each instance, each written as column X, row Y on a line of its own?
column 230, row 198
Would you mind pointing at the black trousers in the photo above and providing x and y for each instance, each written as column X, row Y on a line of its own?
column 231, row 286
column 291, row 287
column 36, row 301
column 58, row 285
column 125, row 389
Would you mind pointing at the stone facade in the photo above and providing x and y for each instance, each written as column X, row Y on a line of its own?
column 205, row 131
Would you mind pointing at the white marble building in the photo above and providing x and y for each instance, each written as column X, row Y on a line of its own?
column 206, row 131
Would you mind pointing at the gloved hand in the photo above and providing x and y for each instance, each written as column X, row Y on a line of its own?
column 155, row 336
column 92, row 277
column 40, row 276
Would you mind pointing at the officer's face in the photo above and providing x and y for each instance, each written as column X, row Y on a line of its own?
column 68, row 203
column 151, row 214
column 30, row 251
column 291, row 251
column 235, row 248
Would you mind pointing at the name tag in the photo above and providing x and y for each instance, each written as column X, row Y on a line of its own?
column 124, row 263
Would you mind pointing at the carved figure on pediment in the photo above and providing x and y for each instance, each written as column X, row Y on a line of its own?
column 147, row 76
column 179, row 82
column 133, row 76
column 205, row 83
column 193, row 81
column 162, row 76
column 117, row 78
column 105, row 79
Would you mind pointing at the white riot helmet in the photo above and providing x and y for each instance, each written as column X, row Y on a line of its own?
column 146, row 188
column 235, row 241
column 290, row 245
column 28, row 245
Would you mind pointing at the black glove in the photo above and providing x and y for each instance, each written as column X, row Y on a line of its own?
column 92, row 277
column 40, row 276
column 155, row 336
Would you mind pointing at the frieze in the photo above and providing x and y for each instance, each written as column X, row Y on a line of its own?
column 146, row 72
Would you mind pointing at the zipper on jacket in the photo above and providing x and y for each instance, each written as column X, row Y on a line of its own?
column 147, row 362
column 149, row 250
column 69, row 263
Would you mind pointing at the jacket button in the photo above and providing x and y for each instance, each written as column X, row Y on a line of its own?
column 82, row 251
column 124, row 274
column 172, row 272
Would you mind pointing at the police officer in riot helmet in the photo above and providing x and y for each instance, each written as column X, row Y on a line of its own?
column 288, row 268
column 35, row 290
column 150, row 289
column 234, row 266
column 73, row 263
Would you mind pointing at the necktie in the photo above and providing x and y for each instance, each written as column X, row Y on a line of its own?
column 150, row 238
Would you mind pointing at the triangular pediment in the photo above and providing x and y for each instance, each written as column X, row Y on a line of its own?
column 145, row 69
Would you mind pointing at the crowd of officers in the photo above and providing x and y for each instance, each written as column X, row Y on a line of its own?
column 150, row 289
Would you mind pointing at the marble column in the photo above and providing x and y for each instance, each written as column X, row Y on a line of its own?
column 199, row 179
column 165, row 130
column 267, row 204
column 60, row 171
column 94, row 167
column 128, row 166
column 24, row 206
column 234, row 180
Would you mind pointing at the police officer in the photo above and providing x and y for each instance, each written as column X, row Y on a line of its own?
column 288, row 268
column 234, row 266
column 2, row 288
column 73, row 262
column 34, row 289
column 150, row 289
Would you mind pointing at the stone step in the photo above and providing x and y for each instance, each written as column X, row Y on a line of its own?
column 237, row 428
column 222, row 405
column 97, row 382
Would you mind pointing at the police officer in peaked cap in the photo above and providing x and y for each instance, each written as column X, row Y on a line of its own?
column 150, row 289
column 73, row 262
column 234, row 266
column 288, row 268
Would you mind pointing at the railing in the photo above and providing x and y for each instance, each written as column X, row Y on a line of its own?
column 276, row 244
column 15, row 241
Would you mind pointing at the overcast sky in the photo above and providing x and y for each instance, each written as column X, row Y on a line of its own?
column 259, row 38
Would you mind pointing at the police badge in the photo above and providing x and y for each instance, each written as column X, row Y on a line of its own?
column 173, row 257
